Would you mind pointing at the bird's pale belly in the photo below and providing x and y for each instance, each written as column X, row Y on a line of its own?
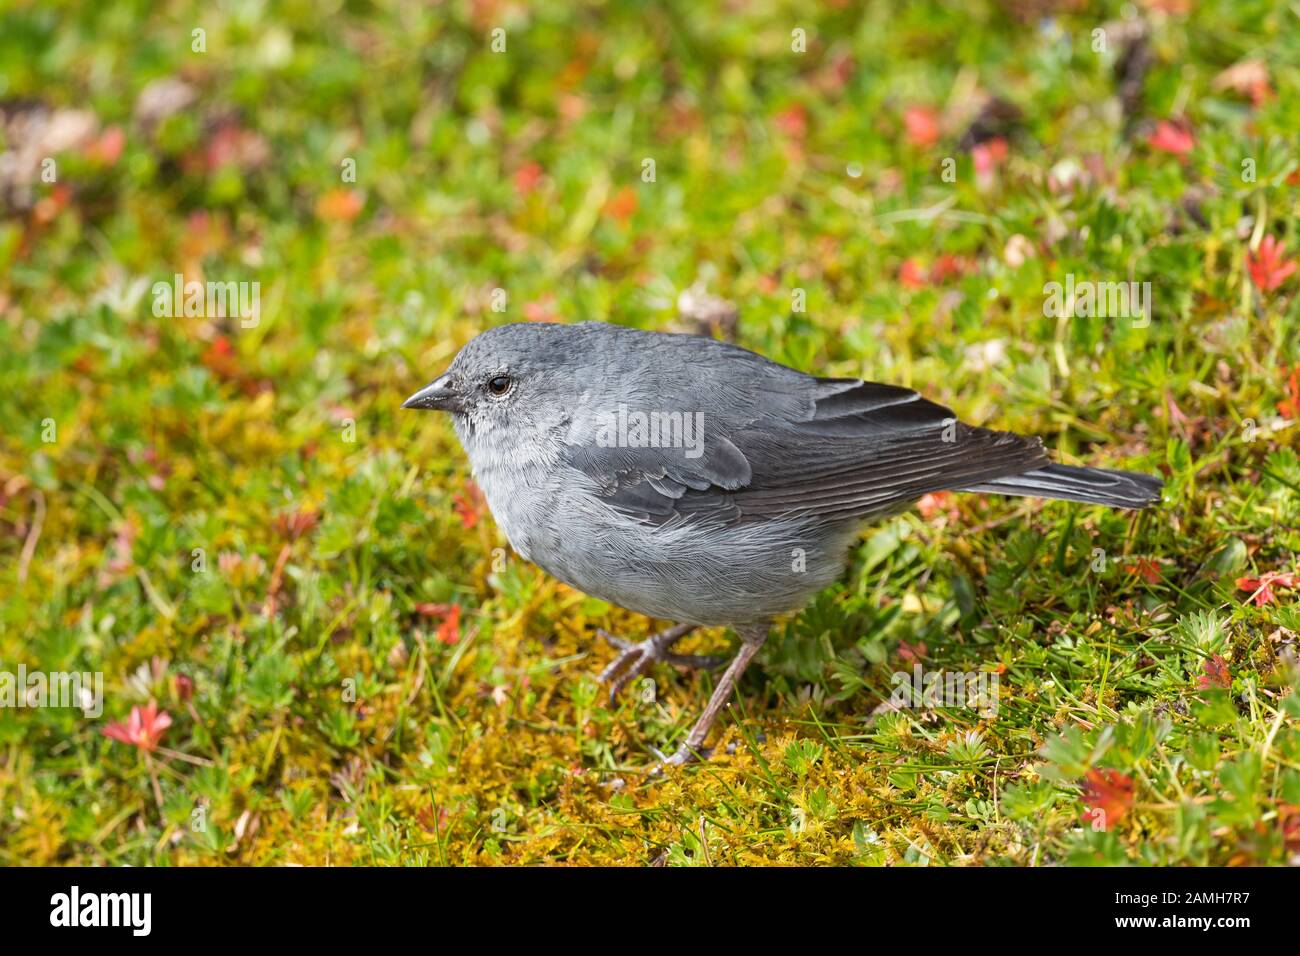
column 698, row 573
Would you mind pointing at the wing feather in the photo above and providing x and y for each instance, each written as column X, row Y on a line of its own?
column 783, row 443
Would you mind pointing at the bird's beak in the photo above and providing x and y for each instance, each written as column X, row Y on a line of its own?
column 439, row 394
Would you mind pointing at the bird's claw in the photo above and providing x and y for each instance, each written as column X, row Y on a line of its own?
column 684, row 755
column 635, row 658
column 680, row 758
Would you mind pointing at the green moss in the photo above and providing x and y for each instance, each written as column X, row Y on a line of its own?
column 241, row 524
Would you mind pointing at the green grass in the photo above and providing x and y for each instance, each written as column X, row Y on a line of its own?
column 319, row 713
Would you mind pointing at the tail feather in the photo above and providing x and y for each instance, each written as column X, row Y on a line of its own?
column 1095, row 486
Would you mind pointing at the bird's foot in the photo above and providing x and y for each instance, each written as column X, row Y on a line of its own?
column 683, row 755
column 637, row 657
column 686, row 754
column 680, row 758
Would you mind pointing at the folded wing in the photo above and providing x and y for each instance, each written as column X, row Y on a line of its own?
column 789, row 443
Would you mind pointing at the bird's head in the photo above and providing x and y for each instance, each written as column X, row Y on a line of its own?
column 519, row 379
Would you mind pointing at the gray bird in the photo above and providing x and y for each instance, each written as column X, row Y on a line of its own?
column 694, row 481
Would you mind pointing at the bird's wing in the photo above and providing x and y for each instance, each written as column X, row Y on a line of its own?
column 868, row 448
column 780, row 442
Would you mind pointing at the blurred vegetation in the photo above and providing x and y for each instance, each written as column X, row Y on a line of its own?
column 237, row 521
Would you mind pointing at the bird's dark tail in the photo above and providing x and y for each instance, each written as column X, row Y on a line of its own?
column 1094, row 486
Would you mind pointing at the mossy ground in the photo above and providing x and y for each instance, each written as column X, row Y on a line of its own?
column 329, row 706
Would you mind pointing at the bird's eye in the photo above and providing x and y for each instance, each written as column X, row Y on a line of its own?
column 499, row 385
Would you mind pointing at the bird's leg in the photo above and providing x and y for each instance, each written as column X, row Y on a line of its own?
column 751, row 639
column 636, row 657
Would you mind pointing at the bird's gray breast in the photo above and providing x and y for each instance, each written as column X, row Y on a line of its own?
column 517, row 501
column 702, row 572
column 687, row 569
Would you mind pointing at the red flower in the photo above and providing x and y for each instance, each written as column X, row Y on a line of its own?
column 468, row 505
column 922, row 124
column 989, row 155
column 1216, row 673
column 1288, row 816
column 1108, row 795
column 933, row 503
column 910, row 274
column 527, row 177
column 1290, row 406
column 948, row 266
column 793, row 121
column 911, row 652
column 1145, row 568
column 108, row 147
column 1268, row 267
column 1249, row 78
column 449, row 629
column 1172, row 138
column 1262, row 586
column 295, row 524
column 622, row 205
column 220, row 358
column 144, row 729
column 340, row 205
column 48, row 207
